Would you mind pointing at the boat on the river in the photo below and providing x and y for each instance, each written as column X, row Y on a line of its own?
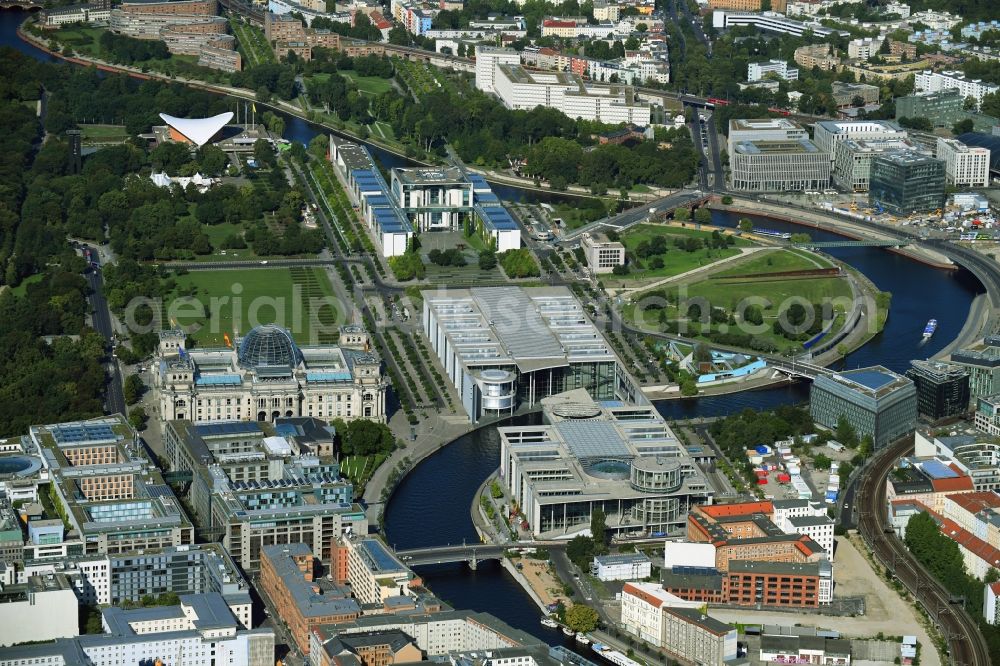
column 930, row 328
column 569, row 632
column 549, row 622
column 582, row 639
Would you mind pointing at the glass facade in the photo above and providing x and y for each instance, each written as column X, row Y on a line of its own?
column 907, row 182
column 597, row 378
column 885, row 418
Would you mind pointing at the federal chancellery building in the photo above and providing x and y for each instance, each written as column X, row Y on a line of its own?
column 266, row 375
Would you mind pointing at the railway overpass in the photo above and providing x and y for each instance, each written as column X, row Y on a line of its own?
column 625, row 219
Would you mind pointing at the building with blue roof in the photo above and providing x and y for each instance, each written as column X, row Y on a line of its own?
column 421, row 199
column 876, row 401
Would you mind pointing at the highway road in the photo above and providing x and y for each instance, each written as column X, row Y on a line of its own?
column 114, row 398
column 965, row 643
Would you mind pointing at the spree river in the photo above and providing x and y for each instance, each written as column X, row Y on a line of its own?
column 431, row 505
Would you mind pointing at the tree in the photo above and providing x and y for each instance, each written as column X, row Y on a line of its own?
column 845, row 433
column 682, row 214
column 487, row 260
column 703, row 216
column 969, row 103
column 580, row 550
column 137, row 418
column 821, row 461
column 598, row 527
column 727, row 200
column 745, row 225
column 581, row 618
column 132, row 389
column 962, row 126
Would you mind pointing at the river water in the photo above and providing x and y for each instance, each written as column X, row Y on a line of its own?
column 430, row 507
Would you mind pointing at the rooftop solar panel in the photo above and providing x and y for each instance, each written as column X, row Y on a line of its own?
column 872, row 379
column 227, row 428
column 79, row 432
column 938, row 470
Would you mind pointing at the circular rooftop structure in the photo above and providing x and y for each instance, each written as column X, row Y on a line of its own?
column 608, row 469
column 654, row 474
column 18, row 466
column 268, row 346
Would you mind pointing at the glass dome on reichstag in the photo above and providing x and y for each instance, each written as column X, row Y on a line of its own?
column 268, row 346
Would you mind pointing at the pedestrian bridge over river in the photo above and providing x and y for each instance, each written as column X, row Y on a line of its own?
column 473, row 554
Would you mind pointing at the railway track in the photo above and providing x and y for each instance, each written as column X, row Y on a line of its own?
column 965, row 644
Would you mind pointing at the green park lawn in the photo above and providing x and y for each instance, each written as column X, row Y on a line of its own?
column 103, row 133
column 372, row 85
column 727, row 288
column 675, row 260
column 266, row 295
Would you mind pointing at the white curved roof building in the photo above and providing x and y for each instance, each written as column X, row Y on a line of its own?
column 198, row 131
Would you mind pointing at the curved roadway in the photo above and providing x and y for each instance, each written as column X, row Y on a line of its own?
column 965, row 643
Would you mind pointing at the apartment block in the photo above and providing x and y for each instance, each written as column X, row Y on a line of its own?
column 816, row 55
column 519, row 89
column 301, row 598
column 758, row 70
column 964, row 166
column 932, row 82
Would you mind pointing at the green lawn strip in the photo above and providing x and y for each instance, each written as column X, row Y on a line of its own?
column 264, row 296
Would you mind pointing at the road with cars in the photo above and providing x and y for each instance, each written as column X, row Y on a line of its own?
column 114, row 397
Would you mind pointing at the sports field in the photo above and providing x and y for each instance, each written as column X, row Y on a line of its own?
column 234, row 301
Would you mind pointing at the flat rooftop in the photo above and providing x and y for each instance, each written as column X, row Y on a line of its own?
column 800, row 147
column 533, row 328
column 762, row 124
column 447, row 175
column 876, row 381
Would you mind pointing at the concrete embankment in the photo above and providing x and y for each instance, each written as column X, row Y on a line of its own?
column 828, row 221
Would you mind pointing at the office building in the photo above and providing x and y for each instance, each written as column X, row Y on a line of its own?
column 983, row 365
column 378, row 648
column 748, row 532
column 53, row 17
column 942, row 389
column 433, row 199
column 933, row 82
column 254, row 486
column 765, row 129
column 795, row 649
column 987, row 415
column 769, row 21
column 487, row 58
column 624, row 460
column 816, row 55
column 943, row 109
column 267, row 375
column 779, row 68
column 626, row 566
column 692, row 635
column 906, row 182
column 428, row 199
column 964, row 166
column 757, row 584
column 509, row 346
column 199, row 631
column 602, row 254
column 779, row 166
column 852, row 166
column 43, row 608
column 374, row 573
column 877, row 403
column 435, row 634
column 105, row 487
column 128, row 577
column 302, row 599
column 829, row 134
column 565, row 91
column 747, row 5
column 849, row 94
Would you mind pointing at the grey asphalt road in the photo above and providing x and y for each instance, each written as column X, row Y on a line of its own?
column 114, row 401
